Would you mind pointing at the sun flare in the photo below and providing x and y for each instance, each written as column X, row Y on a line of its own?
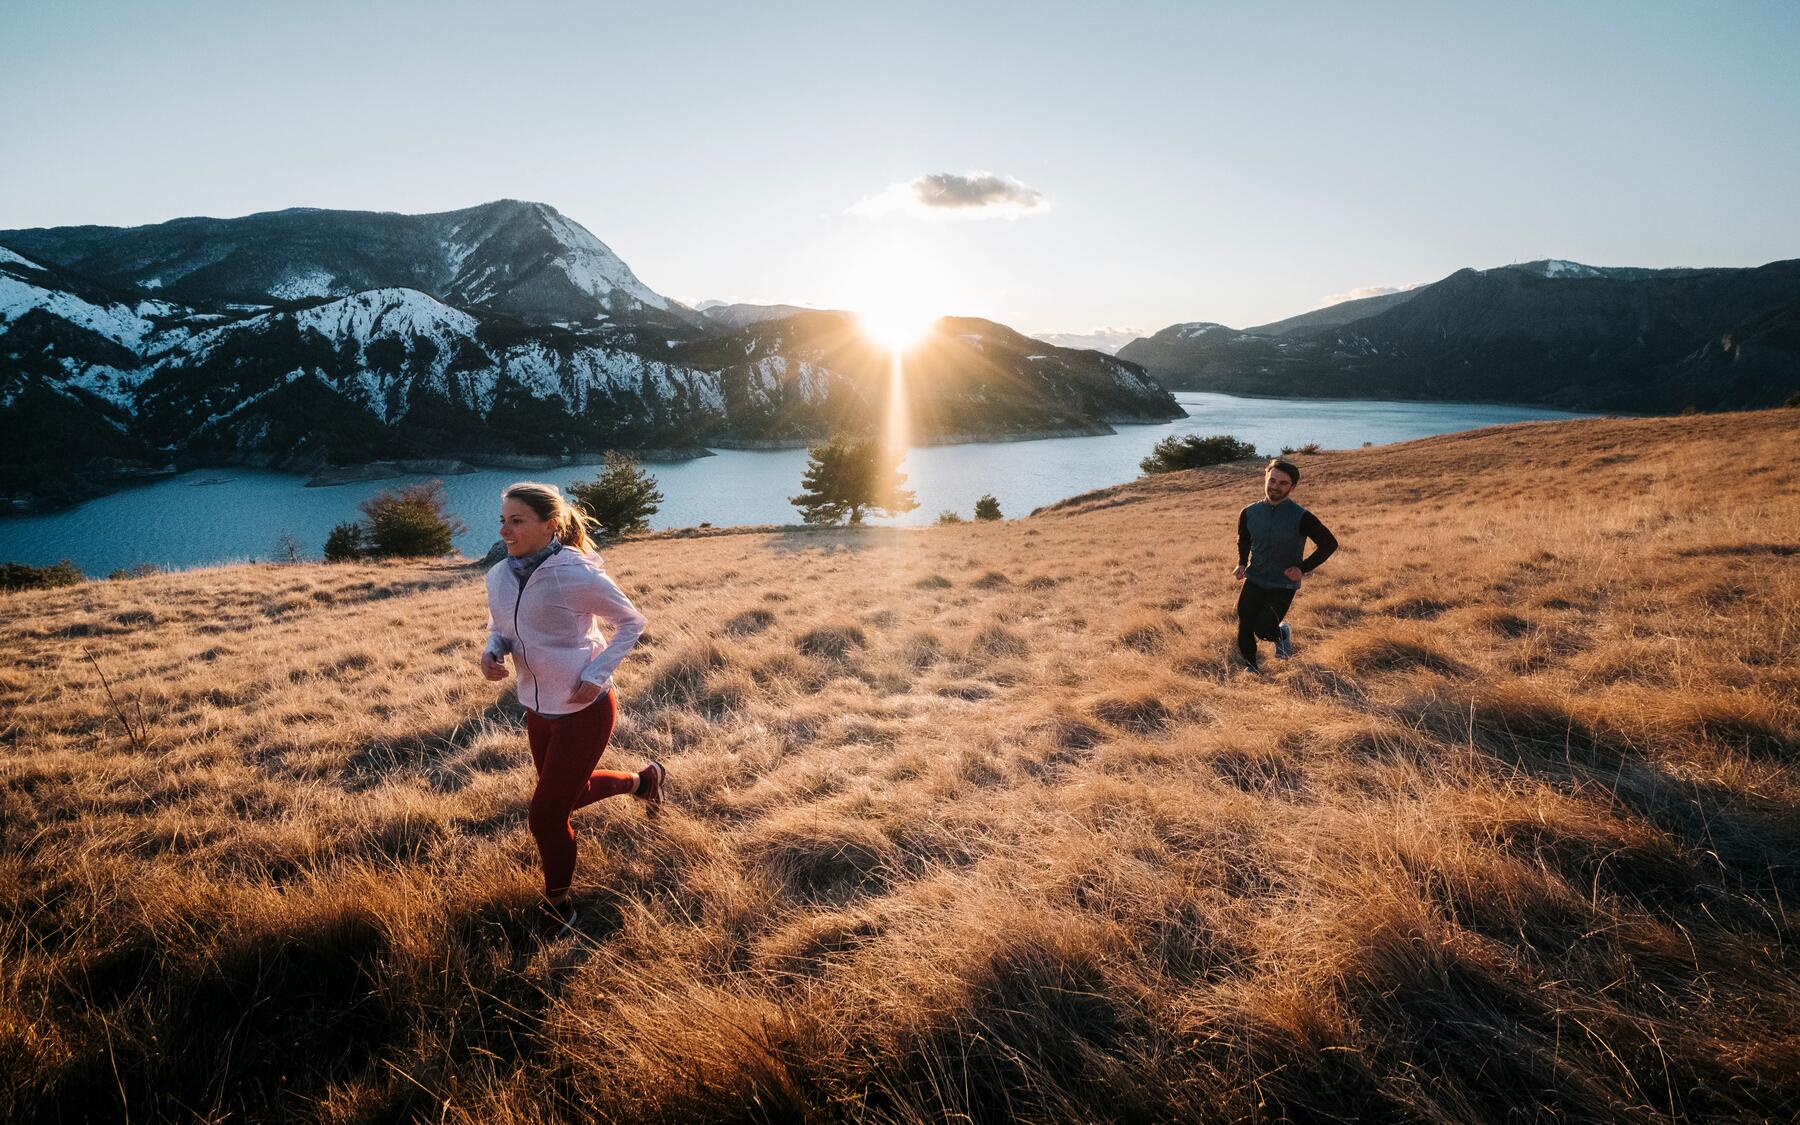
column 895, row 324
column 894, row 298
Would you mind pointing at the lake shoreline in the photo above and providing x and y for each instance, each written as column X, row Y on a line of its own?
column 1096, row 429
column 212, row 513
column 332, row 475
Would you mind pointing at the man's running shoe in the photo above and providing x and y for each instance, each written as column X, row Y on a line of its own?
column 554, row 918
column 1284, row 645
column 650, row 787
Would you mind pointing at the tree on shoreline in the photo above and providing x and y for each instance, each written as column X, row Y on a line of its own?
column 1191, row 451
column 847, row 476
column 408, row 523
column 621, row 499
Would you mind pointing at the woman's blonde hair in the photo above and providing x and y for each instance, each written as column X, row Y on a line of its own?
column 568, row 522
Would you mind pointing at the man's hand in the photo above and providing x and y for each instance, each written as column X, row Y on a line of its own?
column 584, row 693
column 1293, row 574
column 491, row 667
column 1238, row 574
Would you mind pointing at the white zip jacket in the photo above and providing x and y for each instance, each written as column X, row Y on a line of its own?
column 552, row 627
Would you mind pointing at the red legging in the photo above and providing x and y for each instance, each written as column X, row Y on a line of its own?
column 564, row 749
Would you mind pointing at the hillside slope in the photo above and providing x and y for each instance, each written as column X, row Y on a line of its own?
column 970, row 820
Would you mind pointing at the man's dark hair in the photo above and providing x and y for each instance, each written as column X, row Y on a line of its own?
column 1288, row 467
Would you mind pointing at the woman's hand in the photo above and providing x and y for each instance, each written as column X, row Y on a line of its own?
column 491, row 667
column 584, row 693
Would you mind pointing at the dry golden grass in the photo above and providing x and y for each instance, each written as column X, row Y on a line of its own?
column 973, row 820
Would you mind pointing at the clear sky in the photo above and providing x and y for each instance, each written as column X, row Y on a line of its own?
column 1160, row 162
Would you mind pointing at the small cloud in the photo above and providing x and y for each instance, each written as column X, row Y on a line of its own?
column 1359, row 294
column 949, row 195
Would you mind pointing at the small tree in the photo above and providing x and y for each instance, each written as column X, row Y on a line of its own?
column 409, row 523
column 287, row 548
column 849, row 475
column 622, row 498
column 1191, row 451
column 345, row 543
column 987, row 508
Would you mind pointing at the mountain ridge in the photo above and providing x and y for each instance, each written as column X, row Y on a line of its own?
column 1549, row 332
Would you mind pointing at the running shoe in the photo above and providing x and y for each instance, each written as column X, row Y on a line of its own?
column 651, row 780
column 1284, row 645
column 556, row 917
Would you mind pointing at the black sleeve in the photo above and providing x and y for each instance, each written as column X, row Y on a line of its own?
column 1244, row 537
column 1323, row 542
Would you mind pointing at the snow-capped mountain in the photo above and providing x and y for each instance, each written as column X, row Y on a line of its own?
column 526, row 260
column 96, row 374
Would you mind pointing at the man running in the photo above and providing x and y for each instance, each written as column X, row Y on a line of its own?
column 1272, row 536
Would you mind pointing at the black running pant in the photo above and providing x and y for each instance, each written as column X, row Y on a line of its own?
column 1259, row 612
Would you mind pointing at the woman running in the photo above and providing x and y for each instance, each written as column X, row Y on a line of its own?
column 547, row 601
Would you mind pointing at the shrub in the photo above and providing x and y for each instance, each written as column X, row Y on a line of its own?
column 948, row 517
column 409, row 523
column 287, row 548
column 622, row 498
column 987, row 508
column 1793, row 399
column 849, row 475
column 345, row 543
column 1191, row 451
column 141, row 570
column 18, row 576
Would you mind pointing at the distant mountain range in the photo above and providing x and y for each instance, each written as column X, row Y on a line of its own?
column 303, row 338
column 1548, row 332
column 1108, row 340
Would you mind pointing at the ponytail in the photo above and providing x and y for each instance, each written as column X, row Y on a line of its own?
column 568, row 522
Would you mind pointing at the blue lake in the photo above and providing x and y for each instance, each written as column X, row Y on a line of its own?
column 220, row 515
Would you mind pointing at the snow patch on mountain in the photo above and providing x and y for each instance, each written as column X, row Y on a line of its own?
column 115, row 386
column 1557, row 267
column 376, row 313
column 8, row 258
column 116, row 322
column 591, row 266
column 775, row 377
column 587, row 372
column 1197, row 329
column 299, row 285
column 239, row 407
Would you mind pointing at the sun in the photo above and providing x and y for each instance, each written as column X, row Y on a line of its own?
column 895, row 326
column 895, row 294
